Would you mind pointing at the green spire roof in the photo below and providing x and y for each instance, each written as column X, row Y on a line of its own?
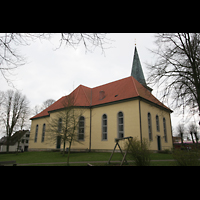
column 137, row 72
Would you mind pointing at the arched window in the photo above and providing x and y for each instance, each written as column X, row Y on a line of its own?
column 165, row 130
column 59, row 125
column 150, row 127
column 120, row 125
column 104, row 127
column 81, row 129
column 36, row 133
column 157, row 123
column 43, row 132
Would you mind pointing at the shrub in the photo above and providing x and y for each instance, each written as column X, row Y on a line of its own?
column 187, row 158
column 139, row 152
column 166, row 151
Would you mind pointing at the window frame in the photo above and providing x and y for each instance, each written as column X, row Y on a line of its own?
column 104, row 126
column 150, row 126
column 165, row 129
column 120, row 124
column 43, row 132
column 59, row 125
column 81, row 127
column 157, row 123
column 36, row 133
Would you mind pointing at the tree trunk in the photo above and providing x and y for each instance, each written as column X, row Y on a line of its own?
column 7, row 148
column 198, row 101
column 8, row 144
column 70, row 142
column 192, row 137
column 64, row 148
column 17, row 147
column 181, row 138
column 196, row 137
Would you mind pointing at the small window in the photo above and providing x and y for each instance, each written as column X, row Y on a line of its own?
column 36, row 133
column 120, row 125
column 157, row 123
column 43, row 132
column 150, row 127
column 81, row 129
column 104, row 127
column 59, row 125
column 165, row 130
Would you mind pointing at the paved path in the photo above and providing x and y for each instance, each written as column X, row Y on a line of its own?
column 55, row 163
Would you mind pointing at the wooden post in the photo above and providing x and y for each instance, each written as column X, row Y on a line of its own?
column 113, row 152
column 124, row 158
column 124, row 155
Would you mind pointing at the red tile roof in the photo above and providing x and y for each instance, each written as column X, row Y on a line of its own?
column 115, row 91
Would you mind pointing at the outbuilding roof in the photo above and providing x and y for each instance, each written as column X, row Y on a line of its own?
column 14, row 138
column 123, row 89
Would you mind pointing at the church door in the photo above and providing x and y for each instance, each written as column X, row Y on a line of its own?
column 159, row 142
column 58, row 142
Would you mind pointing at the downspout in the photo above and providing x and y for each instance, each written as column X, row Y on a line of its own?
column 140, row 122
column 90, row 128
column 171, row 129
column 90, row 121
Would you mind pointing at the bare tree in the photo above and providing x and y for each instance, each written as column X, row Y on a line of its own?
column 47, row 103
column 193, row 131
column 90, row 40
column 13, row 108
column 180, row 131
column 1, row 98
column 37, row 109
column 64, row 125
column 178, row 68
column 11, row 58
column 24, row 119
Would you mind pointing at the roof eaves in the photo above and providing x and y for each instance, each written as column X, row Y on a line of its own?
column 114, row 102
column 157, row 105
column 32, row 118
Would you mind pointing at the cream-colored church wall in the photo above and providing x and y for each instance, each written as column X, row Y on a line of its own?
column 130, row 111
column 38, row 145
column 145, row 108
column 48, row 143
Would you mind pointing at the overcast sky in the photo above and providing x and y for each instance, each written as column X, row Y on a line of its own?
column 53, row 73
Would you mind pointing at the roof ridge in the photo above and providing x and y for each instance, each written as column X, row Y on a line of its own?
column 85, row 93
column 73, row 92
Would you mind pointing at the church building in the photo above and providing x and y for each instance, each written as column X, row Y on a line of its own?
column 122, row 108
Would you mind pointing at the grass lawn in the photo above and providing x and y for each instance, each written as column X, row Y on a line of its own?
column 47, row 157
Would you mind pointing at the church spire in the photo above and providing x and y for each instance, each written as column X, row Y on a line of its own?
column 137, row 71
